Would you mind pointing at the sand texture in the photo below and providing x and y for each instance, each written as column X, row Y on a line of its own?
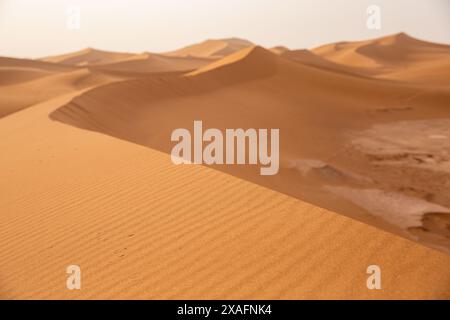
column 87, row 177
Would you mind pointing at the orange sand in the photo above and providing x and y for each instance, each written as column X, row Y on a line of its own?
column 109, row 200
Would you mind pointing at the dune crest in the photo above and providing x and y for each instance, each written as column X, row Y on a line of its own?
column 279, row 49
column 88, row 57
column 14, row 71
column 397, row 57
column 247, row 63
column 19, row 96
column 309, row 58
column 217, row 48
column 156, row 63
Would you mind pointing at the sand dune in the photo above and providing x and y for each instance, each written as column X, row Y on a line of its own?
column 212, row 48
column 27, row 82
column 88, row 57
column 19, row 96
column 361, row 135
column 244, row 64
column 433, row 73
column 13, row 71
column 239, row 84
column 309, row 58
column 127, row 62
column 279, row 49
column 398, row 57
column 155, row 63
column 142, row 228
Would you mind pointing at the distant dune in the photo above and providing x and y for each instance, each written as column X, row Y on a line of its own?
column 307, row 57
column 128, row 62
column 13, row 71
column 244, row 64
column 155, row 63
column 27, row 82
column 87, row 179
column 19, row 96
column 397, row 57
column 279, row 49
column 88, row 57
column 213, row 48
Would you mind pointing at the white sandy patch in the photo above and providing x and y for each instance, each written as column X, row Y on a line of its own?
column 305, row 165
column 328, row 171
column 422, row 143
column 395, row 208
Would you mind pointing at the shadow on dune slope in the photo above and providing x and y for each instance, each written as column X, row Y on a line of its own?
column 345, row 141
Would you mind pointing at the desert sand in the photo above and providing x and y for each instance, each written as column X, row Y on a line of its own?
column 213, row 48
column 397, row 57
column 87, row 178
column 88, row 57
column 267, row 90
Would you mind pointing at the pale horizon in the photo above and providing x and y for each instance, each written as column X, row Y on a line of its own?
column 35, row 30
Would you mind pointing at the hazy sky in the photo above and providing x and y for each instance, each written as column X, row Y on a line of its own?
column 36, row 28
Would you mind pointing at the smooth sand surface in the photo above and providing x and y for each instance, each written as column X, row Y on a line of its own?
column 141, row 227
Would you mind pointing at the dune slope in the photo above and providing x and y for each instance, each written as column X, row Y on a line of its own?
column 88, row 57
column 155, row 63
column 309, row 58
column 321, row 135
column 22, row 95
column 217, row 48
column 141, row 228
column 87, row 178
column 13, row 71
column 397, row 57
